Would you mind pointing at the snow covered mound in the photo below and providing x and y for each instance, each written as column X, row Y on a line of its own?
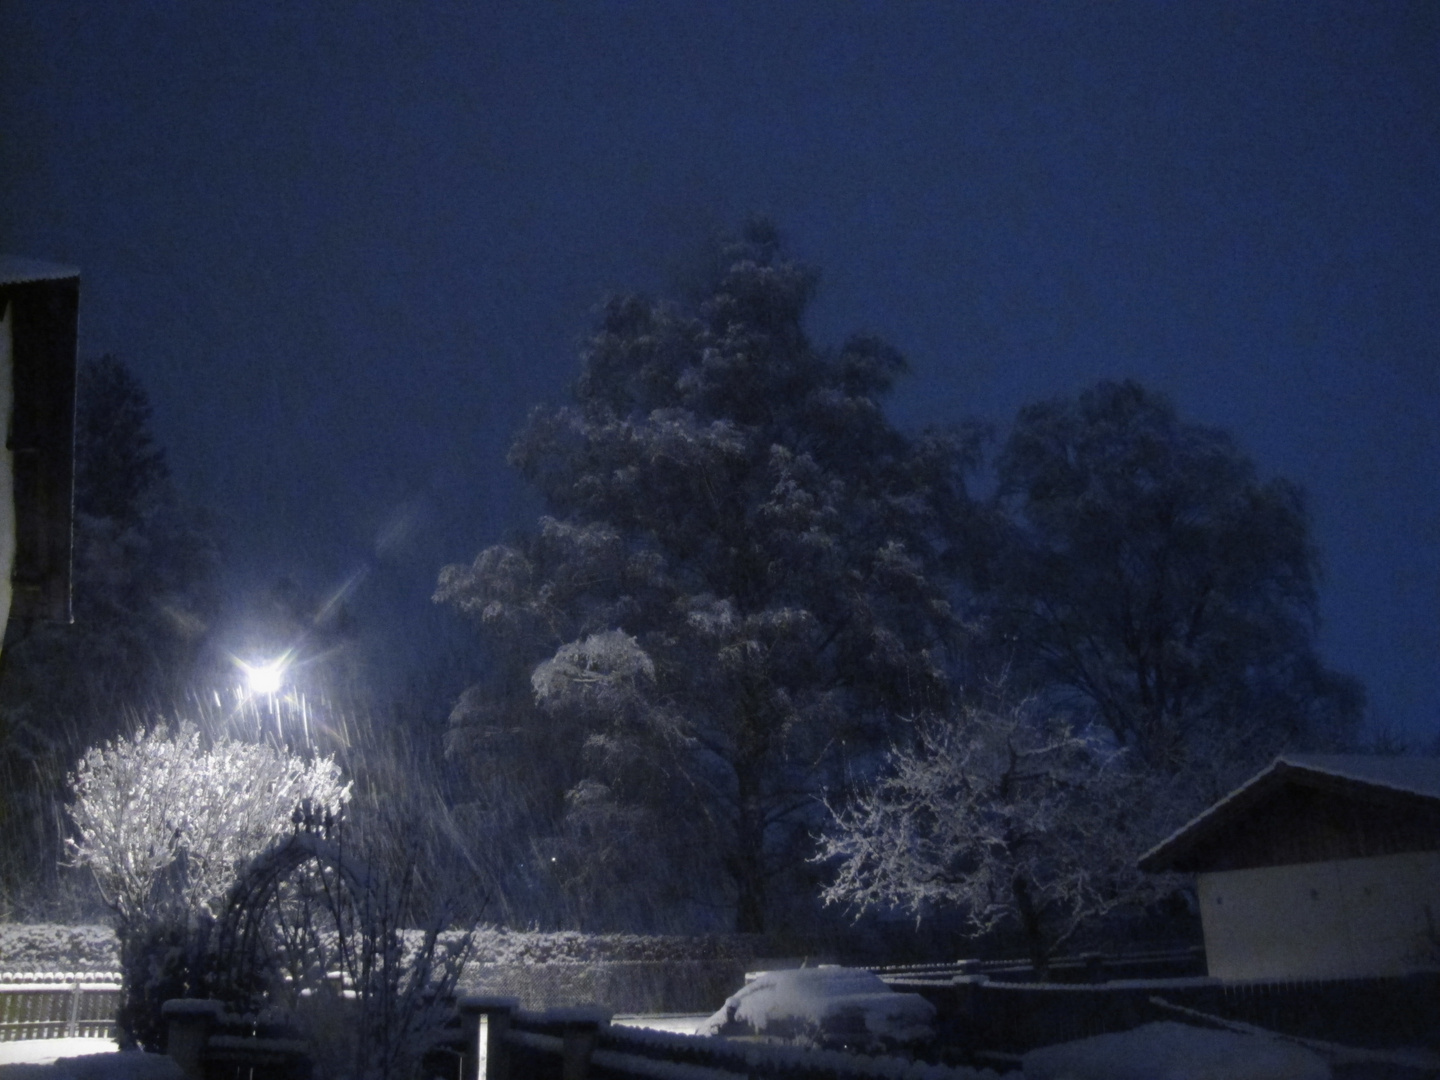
column 825, row 1006
column 1171, row 1051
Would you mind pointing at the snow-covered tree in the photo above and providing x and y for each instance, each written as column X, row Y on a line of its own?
column 734, row 591
column 165, row 823
column 1005, row 814
column 1148, row 579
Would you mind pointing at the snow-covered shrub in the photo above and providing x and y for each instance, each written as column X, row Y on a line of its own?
column 163, row 821
column 825, row 1006
column 166, row 825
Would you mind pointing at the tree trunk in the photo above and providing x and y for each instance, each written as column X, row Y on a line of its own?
column 750, row 908
column 1034, row 932
column 747, row 861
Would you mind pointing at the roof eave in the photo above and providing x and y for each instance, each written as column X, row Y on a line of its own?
column 1169, row 853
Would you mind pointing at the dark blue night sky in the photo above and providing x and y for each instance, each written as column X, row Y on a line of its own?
column 347, row 245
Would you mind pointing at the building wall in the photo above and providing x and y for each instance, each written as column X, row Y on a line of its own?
column 42, row 304
column 1339, row 919
column 7, row 470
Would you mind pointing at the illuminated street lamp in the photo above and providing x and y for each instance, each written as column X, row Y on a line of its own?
column 262, row 697
column 265, row 679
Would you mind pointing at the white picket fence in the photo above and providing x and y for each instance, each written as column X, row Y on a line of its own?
column 58, row 1004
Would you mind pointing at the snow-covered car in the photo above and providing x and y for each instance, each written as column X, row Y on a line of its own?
column 827, row 1006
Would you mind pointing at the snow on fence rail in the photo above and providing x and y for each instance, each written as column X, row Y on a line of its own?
column 1084, row 967
column 58, row 1004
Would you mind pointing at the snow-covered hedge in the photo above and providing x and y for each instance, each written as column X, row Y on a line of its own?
column 626, row 972
column 57, row 947
column 500, row 946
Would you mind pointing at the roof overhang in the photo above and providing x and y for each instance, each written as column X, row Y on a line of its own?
column 1395, row 781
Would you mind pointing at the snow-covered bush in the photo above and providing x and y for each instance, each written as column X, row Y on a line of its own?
column 166, row 825
column 1005, row 814
column 163, row 821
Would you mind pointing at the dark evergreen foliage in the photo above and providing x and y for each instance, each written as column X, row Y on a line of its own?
column 734, row 594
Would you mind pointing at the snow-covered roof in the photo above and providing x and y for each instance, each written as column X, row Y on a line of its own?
column 16, row 270
column 1417, row 777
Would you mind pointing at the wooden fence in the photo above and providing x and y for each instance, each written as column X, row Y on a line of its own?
column 978, row 1011
column 1093, row 967
column 493, row 1039
column 498, row 1041
column 210, row 1044
column 58, row 1005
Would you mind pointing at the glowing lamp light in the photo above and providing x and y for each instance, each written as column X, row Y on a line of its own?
column 265, row 678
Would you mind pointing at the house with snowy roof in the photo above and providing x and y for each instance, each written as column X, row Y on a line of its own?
column 39, row 310
column 1319, row 867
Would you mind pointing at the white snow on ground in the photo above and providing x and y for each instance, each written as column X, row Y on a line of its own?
column 44, row 1051
column 810, row 1003
column 81, row 1059
column 1171, row 1051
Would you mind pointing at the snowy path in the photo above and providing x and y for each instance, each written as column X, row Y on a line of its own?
column 44, row 1051
column 80, row 1059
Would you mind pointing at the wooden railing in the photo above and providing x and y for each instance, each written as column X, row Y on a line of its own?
column 58, row 1005
column 208, row 1043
